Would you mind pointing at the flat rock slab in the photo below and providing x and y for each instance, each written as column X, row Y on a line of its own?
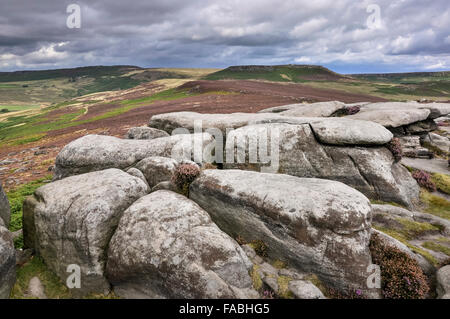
column 321, row 109
column 171, row 121
column 436, row 109
column 434, row 165
column 337, row 131
column 75, row 218
column 7, row 262
column 392, row 114
column 315, row 225
column 98, row 152
column 166, row 246
column 282, row 108
column 340, row 131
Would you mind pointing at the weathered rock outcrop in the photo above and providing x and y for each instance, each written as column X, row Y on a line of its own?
column 392, row 114
column 339, row 131
column 145, row 133
column 97, row 152
column 411, row 147
column 436, row 109
column 282, row 108
column 7, row 261
column 166, row 246
column 371, row 170
column 74, row 220
column 5, row 212
column 315, row 225
column 187, row 120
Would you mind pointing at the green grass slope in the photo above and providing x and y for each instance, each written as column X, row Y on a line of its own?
column 426, row 84
column 54, row 86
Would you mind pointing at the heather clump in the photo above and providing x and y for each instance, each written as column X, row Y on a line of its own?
column 396, row 149
column 424, row 180
column 183, row 176
column 401, row 276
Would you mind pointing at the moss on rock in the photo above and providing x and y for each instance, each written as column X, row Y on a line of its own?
column 435, row 205
column 442, row 182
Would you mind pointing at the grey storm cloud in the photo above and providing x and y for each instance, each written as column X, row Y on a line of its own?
column 410, row 35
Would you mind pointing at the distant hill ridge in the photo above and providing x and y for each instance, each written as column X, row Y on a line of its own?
column 406, row 74
column 278, row 73
column 92, row 71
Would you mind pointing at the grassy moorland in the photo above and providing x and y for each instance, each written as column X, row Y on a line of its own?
column 399, row 87
column 63, row 96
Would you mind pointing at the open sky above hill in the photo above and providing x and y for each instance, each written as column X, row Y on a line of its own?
column 346, row 36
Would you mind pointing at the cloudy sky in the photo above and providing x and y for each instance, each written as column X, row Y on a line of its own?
column 348, row 36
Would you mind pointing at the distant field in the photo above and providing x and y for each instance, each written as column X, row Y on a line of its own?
column 15, row 108
column 424, row 84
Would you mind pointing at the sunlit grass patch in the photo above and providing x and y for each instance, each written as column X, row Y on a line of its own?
column 16, row 198
column 436, row 247
column 435, row 205
column 442, row 182
column 54, row 287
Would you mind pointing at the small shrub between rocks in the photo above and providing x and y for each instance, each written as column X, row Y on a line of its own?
column 352, row 110
column 424, row 180
column 335, row 294
column 401, row 276
column 260, row 247
column 396, row 149
column 183, row 176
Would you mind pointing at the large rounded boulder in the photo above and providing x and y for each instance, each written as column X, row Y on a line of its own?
column 315, row 225
column 98, row 152
column 166, row 246
column 73, row 219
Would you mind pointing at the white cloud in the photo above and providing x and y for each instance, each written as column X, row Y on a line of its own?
column 306, row 28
